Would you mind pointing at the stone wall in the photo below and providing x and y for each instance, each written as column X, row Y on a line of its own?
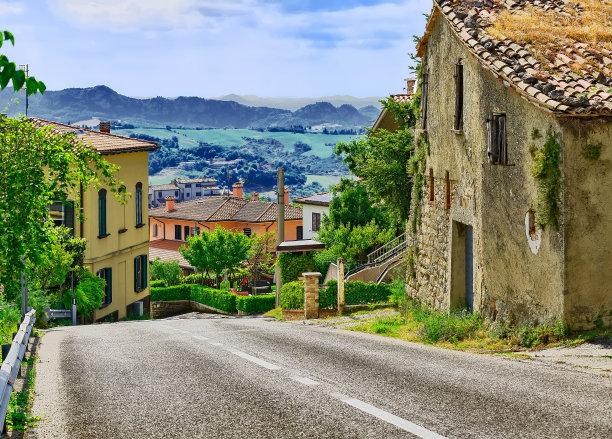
column 168, row 308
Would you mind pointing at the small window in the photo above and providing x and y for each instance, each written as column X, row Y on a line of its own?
column 424, row 93
column 195, row 231
column 432, row 187
column 299, row 233
column 497, row 149
column 155, row 231
column 107, row 275
column 138, row 204
column 447, row 191
column 102, row 213
column 316, row 221
column 186, row 228
column 176, row 193
column 198, row 194
column 140, row 272
column 188, row 186
column 188, row 195
column 247, row 231
column 177, row 233
column 62, row 214
column 458, row 123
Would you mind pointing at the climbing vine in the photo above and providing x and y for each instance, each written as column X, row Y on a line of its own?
column 417, row 169
column 546, row 169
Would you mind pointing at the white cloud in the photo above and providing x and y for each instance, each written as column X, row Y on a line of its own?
column 10, row 8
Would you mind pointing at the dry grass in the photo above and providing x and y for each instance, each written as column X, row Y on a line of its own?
column 550, row 32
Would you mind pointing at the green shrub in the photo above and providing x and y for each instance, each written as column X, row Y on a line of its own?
column 294, row 264
column 328, row 296
column 222, row 300
column 437, row 325
column 398, row 295
column 176, row 292
column 292, row 295
column 168, row 271
column 9, row 321
column 357, row 292
column 158, row 283
column 256, row 304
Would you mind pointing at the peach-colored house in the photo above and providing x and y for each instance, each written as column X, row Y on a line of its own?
column 171, row 225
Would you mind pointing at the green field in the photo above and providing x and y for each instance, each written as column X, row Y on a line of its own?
column 326, row 180
column 322, row 144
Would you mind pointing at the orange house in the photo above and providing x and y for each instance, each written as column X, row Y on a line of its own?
column 172, row 224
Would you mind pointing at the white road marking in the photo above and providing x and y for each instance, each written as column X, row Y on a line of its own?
column 305, row 381
column 216, row 344
column 256, row 360
column 199, row 337
column 405, row 425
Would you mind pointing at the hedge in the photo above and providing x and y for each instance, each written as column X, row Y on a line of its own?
column 158, row 283
column 359, row 293
column 176, row 292
column 224, row 301
column 294, row 264
column 292, row 295
column 256, row 304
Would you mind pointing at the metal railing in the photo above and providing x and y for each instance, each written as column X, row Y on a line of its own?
column 12, row 363
column 388, row 250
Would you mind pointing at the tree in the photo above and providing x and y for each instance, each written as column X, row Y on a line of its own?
column 37, row 166
column 216, row 251
column 10, row 72
column 381, row 158
column 260, row 256
column 168, row 271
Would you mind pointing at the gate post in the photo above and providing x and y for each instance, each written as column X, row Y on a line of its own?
column 311, row 295
column 340, row 286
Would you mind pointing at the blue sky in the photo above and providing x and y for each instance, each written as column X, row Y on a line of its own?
column 208, row 48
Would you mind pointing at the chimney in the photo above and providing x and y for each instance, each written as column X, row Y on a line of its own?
column 170, row 203
column 287, row 190
column 105, row 126
column 410, row 82
column 237, row 187
column 255, row 196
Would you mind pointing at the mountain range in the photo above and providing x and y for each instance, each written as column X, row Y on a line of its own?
column 75, row 105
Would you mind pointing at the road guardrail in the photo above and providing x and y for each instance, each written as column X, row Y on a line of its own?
column 12, row 363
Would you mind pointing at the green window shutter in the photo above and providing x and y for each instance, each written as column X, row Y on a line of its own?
column 109, row 285
column 138, row 204
column 144, row 271
column 137, row 274
column 69, row 215
column 102, row 212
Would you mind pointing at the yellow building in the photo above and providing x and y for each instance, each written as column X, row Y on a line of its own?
column 116, row 234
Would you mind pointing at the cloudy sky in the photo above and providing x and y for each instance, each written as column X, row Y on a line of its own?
column 270, row 48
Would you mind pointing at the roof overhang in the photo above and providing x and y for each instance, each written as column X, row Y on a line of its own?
column 303, row 245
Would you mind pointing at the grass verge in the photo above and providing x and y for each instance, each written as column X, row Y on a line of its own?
column 277, row 313
column 19, row 416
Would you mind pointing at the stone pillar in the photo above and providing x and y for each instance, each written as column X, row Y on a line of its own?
column 311, row 295
column 340, row 286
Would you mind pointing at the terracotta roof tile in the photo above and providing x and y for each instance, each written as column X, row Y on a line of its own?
column 401, row 98
column 218, row 209
column 575, row 71
column 104, row 143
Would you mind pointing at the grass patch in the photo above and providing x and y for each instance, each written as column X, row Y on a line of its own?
column 277, row 313
column 18, row 415
column 462, row 330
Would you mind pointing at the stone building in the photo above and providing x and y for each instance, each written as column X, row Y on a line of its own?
column 489, row 106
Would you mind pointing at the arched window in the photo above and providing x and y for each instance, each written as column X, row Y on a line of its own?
column 102, row 213
column 139, row 205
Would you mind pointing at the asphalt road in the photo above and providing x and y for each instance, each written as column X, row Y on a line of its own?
column 255, row 378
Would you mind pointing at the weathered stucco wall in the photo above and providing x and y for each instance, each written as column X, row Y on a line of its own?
column 588, row 222
column 510, row 282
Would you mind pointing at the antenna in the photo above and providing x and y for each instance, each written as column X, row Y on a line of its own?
column 26, row 67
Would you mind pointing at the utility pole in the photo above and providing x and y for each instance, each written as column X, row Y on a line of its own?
column 280, row 229
column 26, row 68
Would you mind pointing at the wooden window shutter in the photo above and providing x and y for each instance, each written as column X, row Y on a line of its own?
column 458, row 123
column 137, row 273
column 447, row 191
column 177, row 233
column 138, row 204
column 144, row 265
column 432, row 187
column 424, row 93
column 69, row 215
column 497, row 148
column 102, row 212
column 501, row 133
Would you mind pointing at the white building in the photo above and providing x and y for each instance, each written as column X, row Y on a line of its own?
column 190, row 189
column 314, row 207
column 159, row 192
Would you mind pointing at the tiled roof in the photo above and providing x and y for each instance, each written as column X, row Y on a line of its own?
column 401, row 98
column 322, row 199
column 104, row 143
column 163, row 187
column 166, row 251
column 575, row 82
column 217, row 209
column 196, row 180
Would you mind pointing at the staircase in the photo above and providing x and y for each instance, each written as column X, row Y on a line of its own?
column 380, row 262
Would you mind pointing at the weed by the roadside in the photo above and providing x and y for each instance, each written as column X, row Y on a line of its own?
column 18, row 416
column 277, row 313
column 455, row 326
